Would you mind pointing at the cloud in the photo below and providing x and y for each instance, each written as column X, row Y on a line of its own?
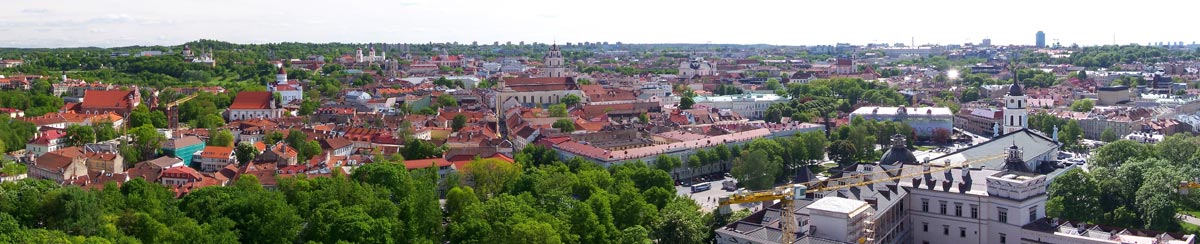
column 35, row 11
column 112, row 18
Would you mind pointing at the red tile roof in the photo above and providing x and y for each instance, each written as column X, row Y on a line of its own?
column 425, row 163
column 216, row 152
column 116, row 99
column 252, row 100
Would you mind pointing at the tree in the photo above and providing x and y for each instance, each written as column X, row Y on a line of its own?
column 686, row 103
column 1082, row 105
column 1114, row 154
column 772, row 84
column 1081, row 75
column 757, row 170
column 223, row 138
column 77, row 135
column 570, row 100
column 644, row 118
column 491, row 176
column 104, row 131
column 210, row 121
column 458, row 199
column 1108, row 135
column 1074, row 196
column 147, row 139
column 446, row 100
column 273, row 137
column 842, row 152
column 679, row 223
column 246, row 152
column 564, row 125
column 459, row 122
column 558, row 110
column 941, row 135
column 667, row 163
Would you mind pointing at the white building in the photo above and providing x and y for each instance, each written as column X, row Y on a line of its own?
column 752, row 106
column 1015, row 116
column 923, row 120
column 213, row 158
column 999, row 198
column 251, row 105
column 696, row 67
column 555, row 66
column 289, row 90
column 371, row 57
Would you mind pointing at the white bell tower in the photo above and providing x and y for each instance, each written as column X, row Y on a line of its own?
column 1015, row 115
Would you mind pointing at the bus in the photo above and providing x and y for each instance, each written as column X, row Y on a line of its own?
column 701, row 187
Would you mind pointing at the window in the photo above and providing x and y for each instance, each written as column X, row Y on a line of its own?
column 958, row 209
column 1002, row 238
column 925, row 227
column 962, row 232
column 924, row 205
column 946, row 230
column 1002, row 215
column 974, row 211
column 943, row 207
column 1033, row 213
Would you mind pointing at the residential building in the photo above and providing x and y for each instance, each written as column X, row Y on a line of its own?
column 979, row 121
column 47, row 140
column 214, row 158
column 183, row 147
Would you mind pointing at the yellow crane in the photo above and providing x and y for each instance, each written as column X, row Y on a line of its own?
column 788, row 194
column 172, row 109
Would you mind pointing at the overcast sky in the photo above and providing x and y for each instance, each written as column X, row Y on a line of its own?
column 108, row 23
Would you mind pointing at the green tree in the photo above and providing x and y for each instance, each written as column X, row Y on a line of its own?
column 245, row 152
column 564, row 125
column 104, row 131
column 77, row 135
column 843, row 152
column 1082, row 105
column 757, row 170
column 1113, row 154
column 558, row 110
column 1074, row 196
column 446, row 100
column 459, row 122
column 686, row 102
column 210, row 121
column 570, row 100
column 667, row 163
column 1108, row 135
column 223, row 138
column 679, row 223
column 491, row 176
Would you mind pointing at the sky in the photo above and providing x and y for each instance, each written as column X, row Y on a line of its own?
column 110, row 23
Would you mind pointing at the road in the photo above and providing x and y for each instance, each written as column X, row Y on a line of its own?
column 708, row 199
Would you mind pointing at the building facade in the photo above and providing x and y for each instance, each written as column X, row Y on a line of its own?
column 924, row 121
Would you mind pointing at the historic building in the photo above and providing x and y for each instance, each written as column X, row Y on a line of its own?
column 289, row 90
column 992, row 192
column 554, row 63
column 251, row 105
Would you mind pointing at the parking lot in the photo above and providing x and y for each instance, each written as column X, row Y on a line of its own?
column 708, row 199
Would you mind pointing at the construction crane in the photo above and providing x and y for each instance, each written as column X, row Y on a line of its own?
column 172, row 109
column 790, row 193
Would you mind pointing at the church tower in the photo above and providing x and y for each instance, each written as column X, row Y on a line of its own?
column 358, row 56
column 281, row 77
column 1015, row 116
column 554, row 63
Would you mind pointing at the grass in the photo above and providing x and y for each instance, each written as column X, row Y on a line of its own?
column 1188, row 228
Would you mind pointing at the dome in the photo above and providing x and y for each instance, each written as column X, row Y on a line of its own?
column 899, row 153
column 1015, row 89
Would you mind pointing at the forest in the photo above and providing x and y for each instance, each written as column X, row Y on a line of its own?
column 536, row 200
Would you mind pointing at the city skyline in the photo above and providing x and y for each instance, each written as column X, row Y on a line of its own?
column 64, row 23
